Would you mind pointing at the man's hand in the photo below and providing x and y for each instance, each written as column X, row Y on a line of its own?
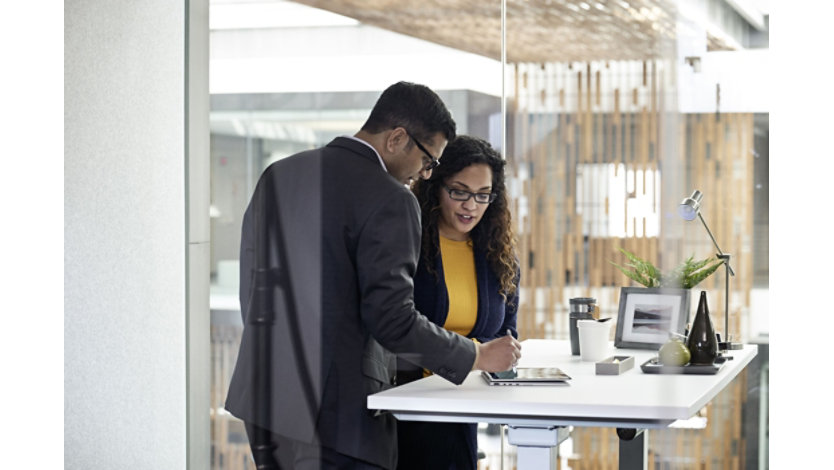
column 498, row 355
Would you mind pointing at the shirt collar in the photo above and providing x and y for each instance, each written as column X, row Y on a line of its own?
column 369, row 146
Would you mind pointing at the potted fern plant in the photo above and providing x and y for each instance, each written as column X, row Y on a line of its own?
column 647, row 315
column 685, row 276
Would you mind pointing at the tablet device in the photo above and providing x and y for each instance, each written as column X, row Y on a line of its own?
column 527, row 376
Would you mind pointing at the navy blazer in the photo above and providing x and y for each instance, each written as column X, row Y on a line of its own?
column 495, row 316
column 452, row 445
column 431, row 297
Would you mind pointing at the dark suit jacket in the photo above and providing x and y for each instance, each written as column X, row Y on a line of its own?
column 328, row 251
column 452, row 445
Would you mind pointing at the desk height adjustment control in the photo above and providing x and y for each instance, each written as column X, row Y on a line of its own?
column 628, row 434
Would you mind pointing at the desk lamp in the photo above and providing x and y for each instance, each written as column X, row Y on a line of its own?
column 688, row 209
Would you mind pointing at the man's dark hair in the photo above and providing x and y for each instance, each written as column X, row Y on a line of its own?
column 416, row 108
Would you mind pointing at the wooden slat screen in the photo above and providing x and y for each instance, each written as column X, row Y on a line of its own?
column 602, row 122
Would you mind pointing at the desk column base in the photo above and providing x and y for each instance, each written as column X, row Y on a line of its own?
column 633, row 449
column 536, row 446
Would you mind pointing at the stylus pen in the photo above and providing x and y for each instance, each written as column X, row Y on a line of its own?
column 510, row 333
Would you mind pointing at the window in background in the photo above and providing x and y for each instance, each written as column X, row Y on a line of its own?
column 605, row 193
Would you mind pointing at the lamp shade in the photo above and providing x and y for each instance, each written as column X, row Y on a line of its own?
column 690, row 206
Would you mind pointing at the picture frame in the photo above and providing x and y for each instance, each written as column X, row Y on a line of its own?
column 648, row 314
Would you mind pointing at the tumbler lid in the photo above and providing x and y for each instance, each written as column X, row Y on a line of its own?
column 583, row 300
column 581, row 315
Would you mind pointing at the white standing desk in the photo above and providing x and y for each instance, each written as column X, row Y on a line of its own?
column 633, row 400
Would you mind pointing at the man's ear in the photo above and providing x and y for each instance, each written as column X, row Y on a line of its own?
column 396, row 140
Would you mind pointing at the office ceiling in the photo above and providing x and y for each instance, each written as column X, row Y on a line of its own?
column 537, row 30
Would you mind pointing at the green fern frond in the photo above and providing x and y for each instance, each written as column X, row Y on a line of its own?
column 690, row 266
column 686, row 275
column 695, row 278
column 642, row 272
column 633, row 275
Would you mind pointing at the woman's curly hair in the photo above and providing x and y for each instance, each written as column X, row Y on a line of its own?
column 493, row 234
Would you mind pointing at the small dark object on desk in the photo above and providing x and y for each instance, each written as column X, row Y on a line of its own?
column 701, row 341
column 721, row 352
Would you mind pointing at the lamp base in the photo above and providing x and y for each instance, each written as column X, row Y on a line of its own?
column 729, row 346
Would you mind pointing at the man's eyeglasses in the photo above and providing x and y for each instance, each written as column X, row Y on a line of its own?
column 433, row 162
column 461, row 195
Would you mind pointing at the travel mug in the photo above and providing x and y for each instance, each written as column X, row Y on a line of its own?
column 581, row 308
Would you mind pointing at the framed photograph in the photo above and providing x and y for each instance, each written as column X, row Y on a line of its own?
column 647, row 315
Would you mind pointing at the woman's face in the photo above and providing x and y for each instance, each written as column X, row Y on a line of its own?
column 458, row 218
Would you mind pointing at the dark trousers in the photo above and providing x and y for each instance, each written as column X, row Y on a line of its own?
column 275, row 452
column 437, row 446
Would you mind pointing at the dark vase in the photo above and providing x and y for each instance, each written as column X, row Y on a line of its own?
column 702, row 343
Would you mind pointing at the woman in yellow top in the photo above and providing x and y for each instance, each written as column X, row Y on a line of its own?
column 466, row 281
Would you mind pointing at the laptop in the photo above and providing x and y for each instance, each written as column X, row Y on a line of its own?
column 527, row 376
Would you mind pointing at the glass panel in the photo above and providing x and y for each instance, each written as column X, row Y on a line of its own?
column 286, row 77
column 609, row 128
column 608, row 125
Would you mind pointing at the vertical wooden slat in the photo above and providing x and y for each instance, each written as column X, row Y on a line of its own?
column 645, row 74
column 598, row 90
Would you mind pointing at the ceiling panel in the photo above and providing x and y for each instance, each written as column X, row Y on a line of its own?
column 537, row 30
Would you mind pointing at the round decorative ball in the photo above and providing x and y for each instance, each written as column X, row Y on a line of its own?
column 674, row 353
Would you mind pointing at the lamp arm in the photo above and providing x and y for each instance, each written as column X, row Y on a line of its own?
column 721, row 254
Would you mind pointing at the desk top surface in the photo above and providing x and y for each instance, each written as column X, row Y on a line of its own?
column 631, row 397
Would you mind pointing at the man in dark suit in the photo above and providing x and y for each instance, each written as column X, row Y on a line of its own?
column 329, row 246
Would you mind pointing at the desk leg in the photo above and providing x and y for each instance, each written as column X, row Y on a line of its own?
column 536, row 446
column 633, row 449
column 530, row 458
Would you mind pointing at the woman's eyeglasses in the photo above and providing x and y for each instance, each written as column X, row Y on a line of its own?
column 461, row 195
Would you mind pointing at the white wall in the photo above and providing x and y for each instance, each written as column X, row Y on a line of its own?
column 273, row 47
column 744, row 78
column 132, row 234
